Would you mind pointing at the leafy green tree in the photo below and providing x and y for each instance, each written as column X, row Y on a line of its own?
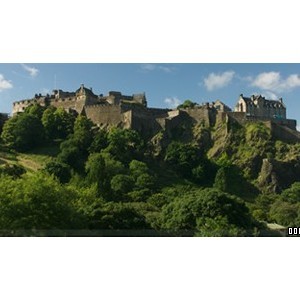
column 23, row 132
column 57, row 122
column 262, row 205
column 100, row 169
column 37, row 202
column 222, row 180
column 83, row 134
column 64, row 122
column 285, row 213
column 100, row 141
column 15, row 171
column 49, row 122
column 123, row 217
column 124, row 144
column 230, row 179
column 144, row 182
column 190, row 213
column 292, row 194
column 71, row 155
column 187, row 104
column 138, row 168
column 35, row 110
column 74, row 150
column 60, row 170
column 188, row 161
column 121, row 184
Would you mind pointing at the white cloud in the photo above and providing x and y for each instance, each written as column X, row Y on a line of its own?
column 267, row 80
column 216, row 81
column 153, row 67
column 172, row 102
column 148, row 67
column 31, row 70
column 273, row 82
column 269, row 95
column 4, row 84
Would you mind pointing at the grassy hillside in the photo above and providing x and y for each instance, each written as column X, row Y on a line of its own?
column 32, row 160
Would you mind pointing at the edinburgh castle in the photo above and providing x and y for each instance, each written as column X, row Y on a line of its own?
column 116, row 109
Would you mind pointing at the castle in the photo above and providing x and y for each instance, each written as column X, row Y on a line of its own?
column 120, row 110
column 258, row 106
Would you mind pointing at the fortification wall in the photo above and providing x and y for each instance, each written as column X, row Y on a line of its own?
column 65, row 103
column 106, row 115
column 144, row 121
column 201, row 115
column 20, row 106
column 221, row 117
column 284, row 133
column 239, row 117
column 158, row 112
column 175, row 120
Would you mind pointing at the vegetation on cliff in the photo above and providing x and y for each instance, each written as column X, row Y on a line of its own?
column 61, row 174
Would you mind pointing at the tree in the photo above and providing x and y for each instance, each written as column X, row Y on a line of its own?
column 71, row 155
column 188, row 161
column 74, row 150
column 121, row 184
column 100, row 141
column 190, row 214
column 64, row 122
column 60, row 170
column 285, row 213
column 187, row 104
column 23, row 132
column 292, row 194
column 229, row 179
column 35, row 110
column 119, row 216
column 49, row 122
column 124, row 144
column 37, row 202
column 57, row 123
column 83, row 134
column 100, row 169
column 222, row 180
column 14, row 170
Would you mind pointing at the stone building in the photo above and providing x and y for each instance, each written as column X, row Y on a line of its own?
column 116, row 109
column 258, row 106
column 79, row 99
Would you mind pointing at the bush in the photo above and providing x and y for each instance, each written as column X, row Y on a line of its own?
column 192, row 212
column 60, row 170
column 23, row 132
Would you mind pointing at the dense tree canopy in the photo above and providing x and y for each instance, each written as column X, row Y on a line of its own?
column 190, row 182
column 23, row 132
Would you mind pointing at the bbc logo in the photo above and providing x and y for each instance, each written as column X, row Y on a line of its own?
column 294, row 231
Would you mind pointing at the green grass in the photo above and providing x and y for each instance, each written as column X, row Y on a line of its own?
column 37, row 158
column 31, row 161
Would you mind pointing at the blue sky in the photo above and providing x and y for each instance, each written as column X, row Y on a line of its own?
column 165, row 85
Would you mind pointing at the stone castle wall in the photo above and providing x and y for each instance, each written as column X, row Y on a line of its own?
column 119, row 110
column 65, row 103
column 284, row 133
column 106, row 115
column 21, row 105
column 201, row 115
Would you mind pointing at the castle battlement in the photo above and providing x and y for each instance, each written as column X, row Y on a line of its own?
column 116, row 109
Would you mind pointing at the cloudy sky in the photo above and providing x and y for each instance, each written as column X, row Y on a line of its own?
column 165, row 85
